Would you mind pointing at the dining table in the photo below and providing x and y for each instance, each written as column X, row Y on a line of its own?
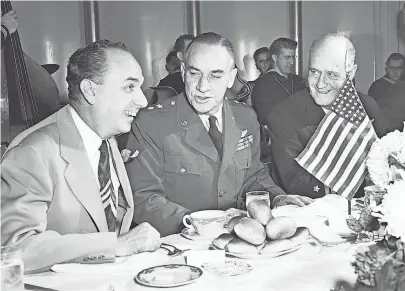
column 313, row 266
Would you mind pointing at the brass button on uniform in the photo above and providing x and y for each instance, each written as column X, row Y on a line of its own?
column 182, row 170
column 221, row 193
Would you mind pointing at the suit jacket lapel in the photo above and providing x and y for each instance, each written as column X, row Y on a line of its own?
column 196, row 135
column 314, row 113
column 79, row 174
column 231, row 134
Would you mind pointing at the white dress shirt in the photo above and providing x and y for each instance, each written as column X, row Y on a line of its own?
column 218, row 115
column 92, row 143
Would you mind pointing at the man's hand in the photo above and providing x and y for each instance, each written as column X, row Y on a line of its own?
column 11, row 21
column 143, row 238
column 298, row 200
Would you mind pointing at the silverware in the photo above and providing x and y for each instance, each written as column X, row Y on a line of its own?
column 172, row 250
column 37, row 288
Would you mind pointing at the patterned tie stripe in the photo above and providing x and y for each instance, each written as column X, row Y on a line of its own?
column 107, row 190
column 336, row 154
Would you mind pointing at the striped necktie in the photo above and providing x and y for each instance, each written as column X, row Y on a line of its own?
column 106, row 187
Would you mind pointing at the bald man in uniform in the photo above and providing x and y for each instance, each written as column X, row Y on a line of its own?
column 198, row 150
column 292, row 123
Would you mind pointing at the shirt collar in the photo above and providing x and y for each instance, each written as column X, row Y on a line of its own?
column 218, row 115
column 91, row 140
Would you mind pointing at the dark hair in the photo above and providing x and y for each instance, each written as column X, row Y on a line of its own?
column 259, row 51
column 212, row 38
column 170, row 55
column 180, row 43
column 396, row 57
column 90, row 63
column 282, row 43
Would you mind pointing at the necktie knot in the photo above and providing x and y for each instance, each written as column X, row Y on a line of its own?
column 213, row 121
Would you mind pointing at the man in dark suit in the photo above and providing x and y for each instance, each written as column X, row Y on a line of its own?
column 65, row 194
column 174, row 79
column 292, row 123
column 279, row 82
column 203, row 149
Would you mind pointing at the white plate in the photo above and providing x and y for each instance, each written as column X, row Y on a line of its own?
column 228, row 268
column 168, row 275
column 260, row 256
column 192, row 235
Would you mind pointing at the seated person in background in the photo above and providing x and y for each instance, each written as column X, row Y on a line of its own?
column 173, row 68
column 65, row 194
column 203, row 149
column 392, row 108
column 262, row 60
column 292, row 123
column 385, row 86
column 240, row 91
column 279, row 82
column 174, row 79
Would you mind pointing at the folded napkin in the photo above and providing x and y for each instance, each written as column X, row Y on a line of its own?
column 123, row 265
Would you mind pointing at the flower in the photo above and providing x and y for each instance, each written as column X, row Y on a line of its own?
column 392, row 209
column 390, row 146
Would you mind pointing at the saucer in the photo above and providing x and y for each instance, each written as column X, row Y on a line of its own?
column 193, row 235
column 227, row 269
column 168, row 275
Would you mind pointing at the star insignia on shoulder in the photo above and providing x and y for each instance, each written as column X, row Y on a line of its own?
column 150, row 107
column 159, row 106
column 316, row 189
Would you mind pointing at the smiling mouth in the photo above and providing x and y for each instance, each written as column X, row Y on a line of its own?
column 130, row 113
column 202, row 98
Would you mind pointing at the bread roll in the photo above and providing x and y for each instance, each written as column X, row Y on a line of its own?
column 260, row 211
column 277, row 246
column 281, row 228
column 221, row 241
column 232, row 222
column 250, row 231
column 239, row 246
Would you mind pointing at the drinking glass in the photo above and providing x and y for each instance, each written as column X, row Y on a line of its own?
column 12, row 269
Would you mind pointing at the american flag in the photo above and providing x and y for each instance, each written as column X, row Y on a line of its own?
column 336, row 154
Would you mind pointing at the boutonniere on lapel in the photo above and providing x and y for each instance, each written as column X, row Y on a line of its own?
column 244, row 141
column 126, row 155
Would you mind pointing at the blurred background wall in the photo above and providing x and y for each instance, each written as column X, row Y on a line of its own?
column 52, row 30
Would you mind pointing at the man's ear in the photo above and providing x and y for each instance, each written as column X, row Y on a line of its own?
column 88, row 89
column 352, row 72
column 232, row 77
column 183, row 71
column 180, row 56
column 274, row 58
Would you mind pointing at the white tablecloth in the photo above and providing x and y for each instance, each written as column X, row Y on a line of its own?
column 309, row 268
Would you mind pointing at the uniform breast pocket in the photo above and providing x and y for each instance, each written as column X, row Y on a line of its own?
column 180, row 171
column 243, row 161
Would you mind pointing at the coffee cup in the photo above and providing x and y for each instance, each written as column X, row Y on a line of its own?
column 209, row 223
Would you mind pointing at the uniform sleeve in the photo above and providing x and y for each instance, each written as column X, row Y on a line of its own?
column 145, row 174
column 26, row 194
column 260, row 94
column 286, row 146
column 257, row 176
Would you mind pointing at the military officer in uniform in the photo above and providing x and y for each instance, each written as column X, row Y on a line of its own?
column 198, row 150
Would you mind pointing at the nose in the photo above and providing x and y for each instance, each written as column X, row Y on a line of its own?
column 140, row 99
column 203, row 84
column 320, row 84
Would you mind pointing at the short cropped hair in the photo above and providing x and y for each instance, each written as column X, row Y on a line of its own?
column 170, row 55
column 180, row 43
column 259, row 51
column 282, row 43
column 89, row 63
column 396, row 57
column 212, row 38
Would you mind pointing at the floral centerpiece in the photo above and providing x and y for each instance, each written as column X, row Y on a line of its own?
column 381, row 266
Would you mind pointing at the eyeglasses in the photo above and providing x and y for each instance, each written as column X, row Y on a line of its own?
column 263, row 61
